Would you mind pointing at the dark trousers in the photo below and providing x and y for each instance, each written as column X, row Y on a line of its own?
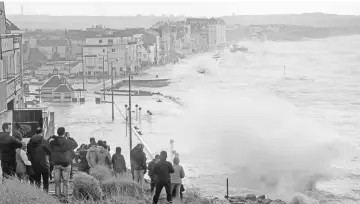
column 45, row 179
column 152, row 184
column 8, row 169
column 158, row 187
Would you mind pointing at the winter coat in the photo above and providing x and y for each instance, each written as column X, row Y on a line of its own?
column 178, row 175
column 119, row 164
column 162, row 171
column 62, row 150
column 39, row 151
column 21, row 161
column 8, row 145
column 83, row 164
column 151, row 168
column 104, row 157
column 92, row 156
column 138, row 159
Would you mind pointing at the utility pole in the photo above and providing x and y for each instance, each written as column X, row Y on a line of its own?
column 69, row 63
column 112, row 90
column 129, row 72
column 82, row 59
column 104, row 76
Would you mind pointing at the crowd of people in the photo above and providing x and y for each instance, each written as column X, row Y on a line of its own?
column 40, row 158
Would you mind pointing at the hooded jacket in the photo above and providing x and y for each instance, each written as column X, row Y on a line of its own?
column 104, row 157
column 39, row 151
column 83, row 164
column 92, row 156
column 62, row 150
column 119, row 163
column 162, row 171
column 8, row 145
column 138, row 159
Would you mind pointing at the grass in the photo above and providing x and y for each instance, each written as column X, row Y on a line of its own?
column 88, row 189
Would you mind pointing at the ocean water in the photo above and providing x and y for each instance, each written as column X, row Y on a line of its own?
column 278, row 120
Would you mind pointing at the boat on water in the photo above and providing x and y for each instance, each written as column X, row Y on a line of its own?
column 236, row 48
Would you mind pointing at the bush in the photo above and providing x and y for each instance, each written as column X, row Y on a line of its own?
column 13, row 191
column 101, row 173
column 121, row 186
column 86, row 187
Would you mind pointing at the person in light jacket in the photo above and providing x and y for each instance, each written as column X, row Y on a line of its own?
column 176, row 177
column 22, row 162
column 92, row 156
column 104, row 157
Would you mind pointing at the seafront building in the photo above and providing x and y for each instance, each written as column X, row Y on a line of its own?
column 56, row 89
column 11, row 67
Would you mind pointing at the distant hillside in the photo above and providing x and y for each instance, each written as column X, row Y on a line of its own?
column 311, row 19
column 80, row 22
column 292, row 32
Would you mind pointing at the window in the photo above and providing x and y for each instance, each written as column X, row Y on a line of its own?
column 103, row 50
column 110, row 41
column 56, row 97
column 67, row 97
column 100, row 41
column 113, row 50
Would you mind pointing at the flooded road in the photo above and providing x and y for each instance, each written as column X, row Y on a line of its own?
column 269, row 120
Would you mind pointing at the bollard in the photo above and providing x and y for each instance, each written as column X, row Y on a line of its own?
column 172, row 150
column 140, row 118
column 150, row 117
column 136, row 112
column 227, row 188
column 126, row 110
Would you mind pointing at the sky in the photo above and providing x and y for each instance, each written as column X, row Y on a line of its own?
column 195, row 8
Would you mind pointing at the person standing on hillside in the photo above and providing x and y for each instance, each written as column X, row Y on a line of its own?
column 92, row 155
column 67, row 135
column 138, row 163
column 92, row 142
column 83, row 164
column 104, row 157
column 62, row 156
column 162, row 171
column 150, row 172
column 23, row 165
column 118, row 162
column 176, row 177
column 39, row 152
column 8, row 146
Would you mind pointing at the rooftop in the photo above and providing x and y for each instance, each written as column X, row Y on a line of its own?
column 63, row 88
column 54, row 42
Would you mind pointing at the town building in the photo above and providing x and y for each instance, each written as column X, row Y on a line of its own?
column 217, row 33
column 199, row 34
column 55, row 49
column 11, row 67
column 108, row 51
column 56, row 89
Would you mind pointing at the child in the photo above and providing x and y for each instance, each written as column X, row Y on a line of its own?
column 23, row 165
column 118, row 161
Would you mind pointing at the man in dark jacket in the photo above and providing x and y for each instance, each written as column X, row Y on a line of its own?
column 150, row 172
column 62, row 155
column 162, row 171
column 8, row 146
column 138, row 163
column 39, row 152
column 118, row 162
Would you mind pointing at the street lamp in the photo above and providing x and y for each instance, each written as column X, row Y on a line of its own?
column 129, row 71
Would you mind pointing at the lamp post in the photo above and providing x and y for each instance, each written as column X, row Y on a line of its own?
column 112, row 91
column 129, row 72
